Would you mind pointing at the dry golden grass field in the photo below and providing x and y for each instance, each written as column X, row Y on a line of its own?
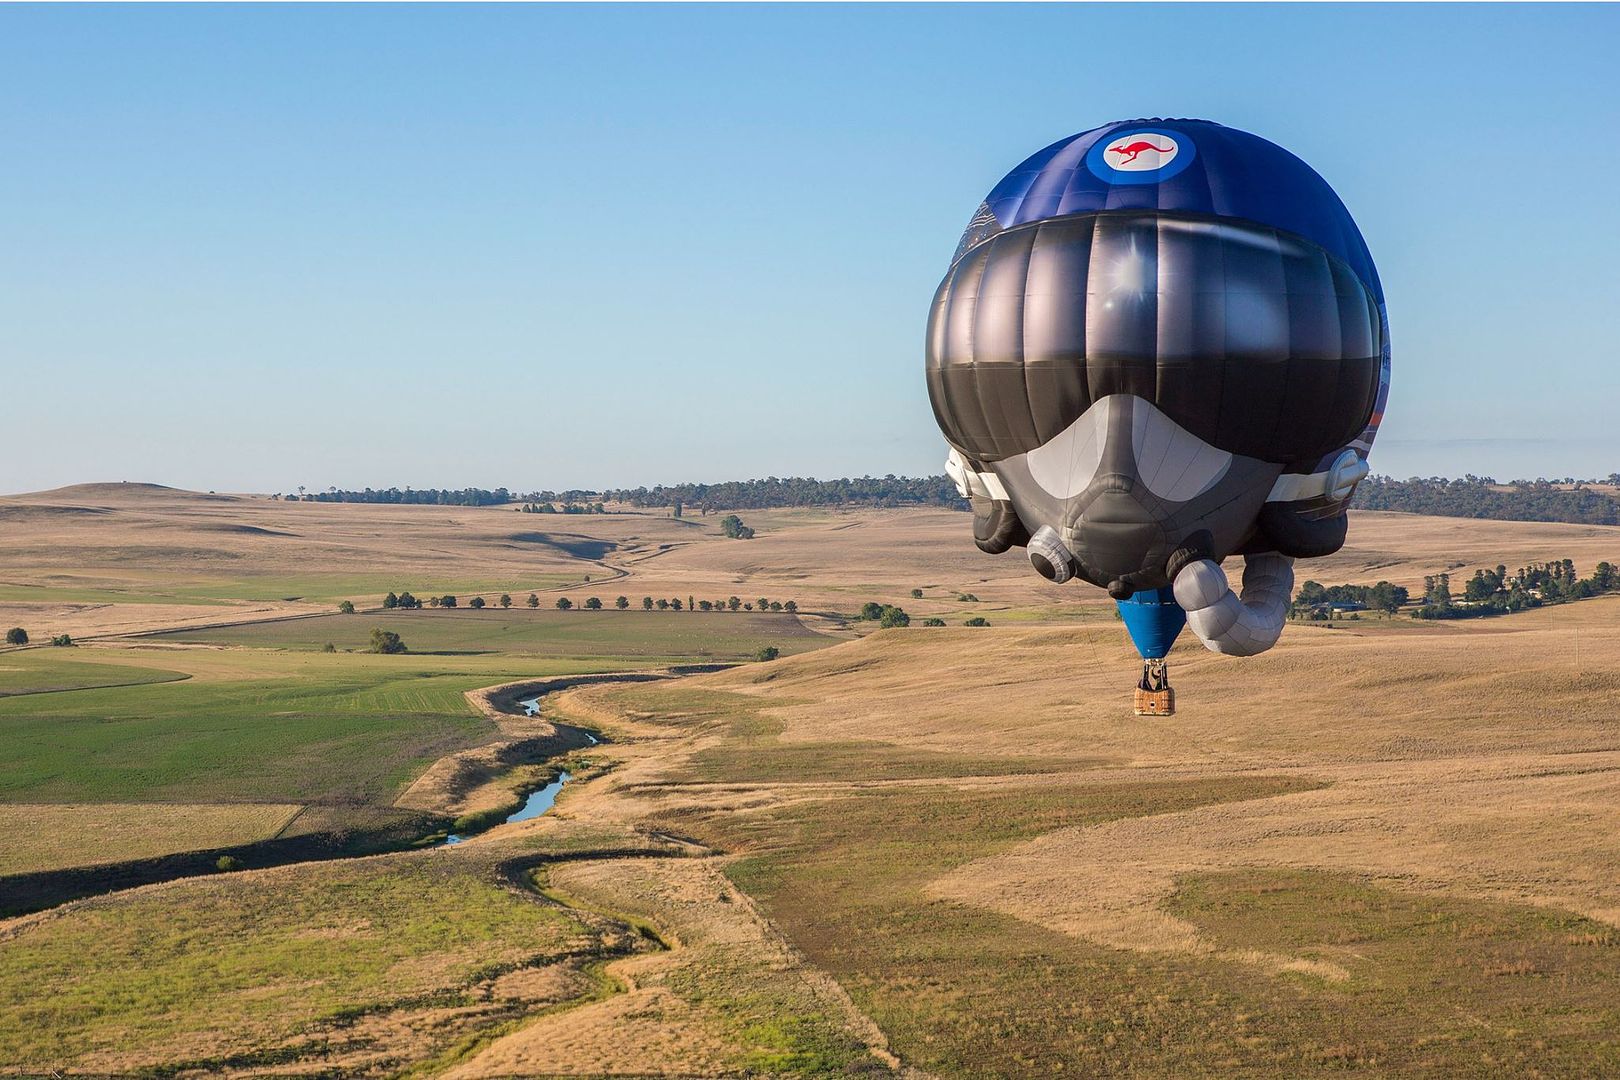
column 1385, row 848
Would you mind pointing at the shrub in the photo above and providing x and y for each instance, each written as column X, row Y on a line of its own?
column 791, row 606
column 346, row 607
column 769, row 652
column 916, row 594
column 977, row 620
column 506, row 600
column 16, row 636
column 892, row 617
column 227, row 863
column 871, row 610
column 386, row 641
column 61, row 640
column 329, row 647
column 933, row 622
column 966, row 598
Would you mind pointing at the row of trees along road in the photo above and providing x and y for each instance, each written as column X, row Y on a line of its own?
column 648, row 603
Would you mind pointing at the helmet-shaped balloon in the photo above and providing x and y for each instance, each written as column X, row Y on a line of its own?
column 1162, row 343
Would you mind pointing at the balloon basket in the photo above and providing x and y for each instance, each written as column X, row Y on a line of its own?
column 1154, row 696
column 1155, row 702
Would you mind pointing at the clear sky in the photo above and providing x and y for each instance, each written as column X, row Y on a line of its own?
column 248, row 248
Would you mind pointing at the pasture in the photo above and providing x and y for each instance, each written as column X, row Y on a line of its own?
column 1384, row 848
column 634, row 636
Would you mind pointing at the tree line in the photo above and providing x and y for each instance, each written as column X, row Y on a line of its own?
column 648, row 603
column 1491, row 591
column 1567, row 500
column 795, row 491
column 1498, row 592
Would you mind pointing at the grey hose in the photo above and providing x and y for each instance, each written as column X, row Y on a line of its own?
column 1227, row 623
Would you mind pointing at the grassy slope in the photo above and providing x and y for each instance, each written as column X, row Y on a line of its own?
column 250, row 725
column 199, row 970
column 634, row 635
column 1439, row 985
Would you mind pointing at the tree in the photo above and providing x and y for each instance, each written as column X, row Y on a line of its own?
column 346, row 607
column 386, row 641
column 689, row 605
column 447, row 601
column 768, row 653
column 792, row 606
column 748, row 606
column 622, row 602
column 977, row 620
column 776, row 605
column 506, row 600
column 731, row 525
column 329, row 648
column 16, row 636
column 61, row 640
column 762, row 604
column 390, row 602
column 646, row 603
column 916, row 594
column 891, row 617
column 677, row 508
column 931, row 621
column 593, row 604
column 706, row 605
column 871, row 610
column 676, row 603
column 433, row 601
column 563, row 603
column 734, row 603
column 409, row 602
column 476, row 602
column 663, row 605
column 533, row 600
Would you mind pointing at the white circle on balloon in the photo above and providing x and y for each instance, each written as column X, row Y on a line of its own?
column 1143, row 152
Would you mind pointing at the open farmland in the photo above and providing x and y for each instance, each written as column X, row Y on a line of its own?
column 634, row 635
column 1385, row 848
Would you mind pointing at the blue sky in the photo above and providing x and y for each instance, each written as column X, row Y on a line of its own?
column 247, row 248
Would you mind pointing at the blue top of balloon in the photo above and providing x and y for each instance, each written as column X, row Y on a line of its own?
column 1194, row 166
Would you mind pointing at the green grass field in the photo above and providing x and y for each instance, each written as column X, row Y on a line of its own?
column 250, row 725
column 647, row 636
column 38, row 671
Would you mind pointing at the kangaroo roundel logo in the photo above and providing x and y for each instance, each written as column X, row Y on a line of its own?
column 1140, row 156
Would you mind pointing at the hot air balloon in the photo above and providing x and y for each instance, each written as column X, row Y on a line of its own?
column 1161, row 344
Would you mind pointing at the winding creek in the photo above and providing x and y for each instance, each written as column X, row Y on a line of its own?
column 541, row 799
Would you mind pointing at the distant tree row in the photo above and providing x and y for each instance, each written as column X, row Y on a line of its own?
column 1482, row 497
column 1491, row 591
column 1315, row 600
column 648, row 603
column 567, row 508
column 413, row 496
column 774, row 491
column 1498, row 592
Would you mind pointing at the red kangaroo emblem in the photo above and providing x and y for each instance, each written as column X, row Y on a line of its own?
column 1128, row 153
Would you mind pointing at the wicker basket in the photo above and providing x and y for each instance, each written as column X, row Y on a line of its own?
column 1155, row 702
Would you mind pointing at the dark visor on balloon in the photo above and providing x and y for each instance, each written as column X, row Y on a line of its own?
column 1255, row 340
